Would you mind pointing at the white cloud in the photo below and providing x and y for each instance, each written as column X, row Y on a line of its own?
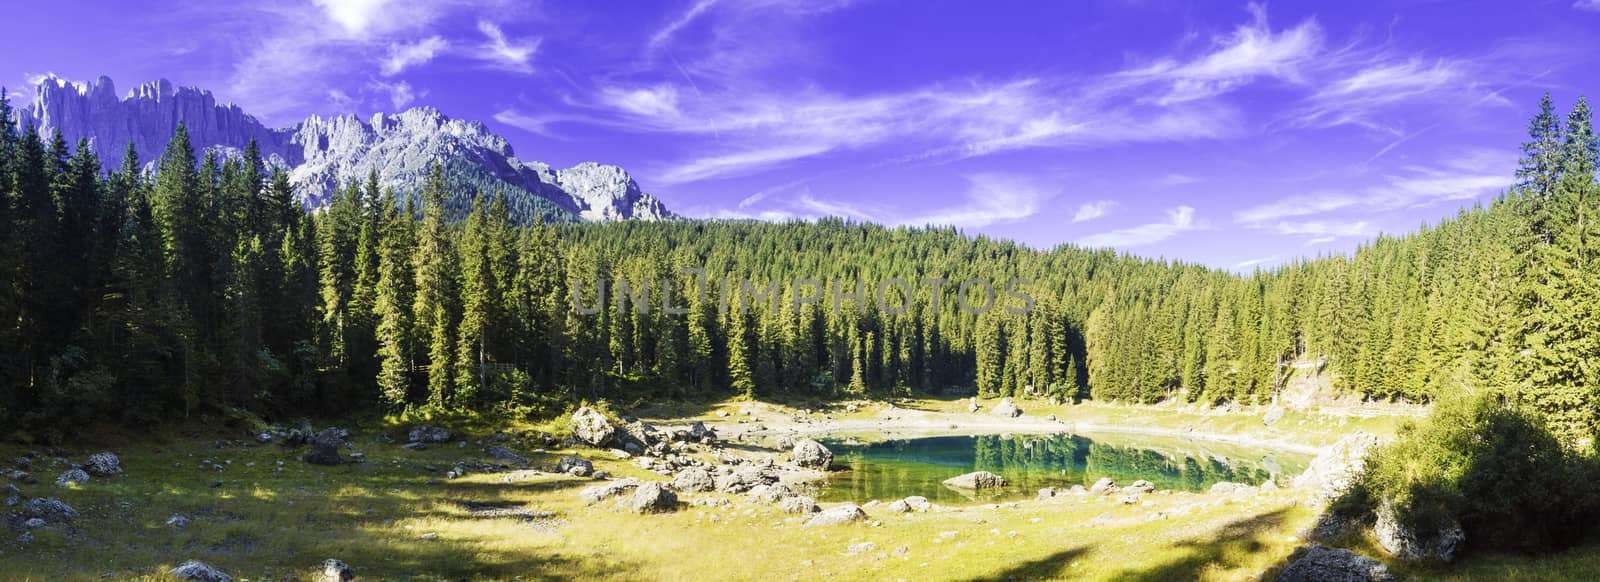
column 356, row 17
column 1093, row 210
column 738, row 163
column 1326, row 229
column 1253, row 51
column 655, row 101
column 400, row 93
column 1177, row 180
column 661, row 37
column 403, row 56
column 1252, row 263
column 1360, row 95
column 1590, row 5
column 990, row 199
column 1179, row 220
column 503, row 52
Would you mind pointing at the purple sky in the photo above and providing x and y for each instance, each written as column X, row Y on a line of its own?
column 1232, row 135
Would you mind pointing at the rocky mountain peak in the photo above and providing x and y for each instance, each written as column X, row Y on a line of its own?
column 323, row 153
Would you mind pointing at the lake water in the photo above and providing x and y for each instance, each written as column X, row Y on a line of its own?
column 895, row 469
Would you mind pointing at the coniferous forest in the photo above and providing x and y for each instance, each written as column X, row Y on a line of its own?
column 204, row 287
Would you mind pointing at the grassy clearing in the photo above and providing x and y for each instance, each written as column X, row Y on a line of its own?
column 393, row 519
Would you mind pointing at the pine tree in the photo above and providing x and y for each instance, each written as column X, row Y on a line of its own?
column 435, row 292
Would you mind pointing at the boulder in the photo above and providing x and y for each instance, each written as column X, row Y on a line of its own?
column 335, row 571
column 799, row 504
column 651, row 497
column 972, row 406
column 505, row 455
column 1104, row 486
column 771, row 493
column 600, row 493
column 1337, row 468
column 1047, row 493
column 423, row 433
column 200, row 571
column 50, row 509
column 1224, row 487
column 1408, row 543
column 746, row 478
column 811, row 455
column 1324, row 564
column 976, row 480
column 918, row 503
column 1006, row 408
column 178, row 521
column 842, row 515
column 694, row 480
column 591, row 427
column 103, row 465
column 1272, row 416
column 72, row 477
column 1140, row 487
column 700, row 434
column 575, row 466
column 639, row 433
column 899, row 506
column 325, row 447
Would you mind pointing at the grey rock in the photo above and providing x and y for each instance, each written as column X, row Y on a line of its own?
column 423, row 433
column 651, row 497
column 198, row 571
column 178, row 521
column 335, row 571
column 694, row 480
column 918, row 503
column 1272, row 416
column 1140, row 487
column 972, row 406
column 799, row 504
column 49, row 508
column 899, row 506
column 591, row 427
column 842, row 515
column 1324, row 564
column 10, row 490
column 575, row 466
column 506, row 455
column 811, row 455
column 1006, row 408
column 325, row 447
column 103, row 465
column 1103, row 486
column 414, row 447
column 746, row 478
column 596, row 494
column 1224, row 487
column 976, row 480
column 861, row 548
column 1047, row 493
column 1409, row 544
column 72, row 477
column 700, row 434
column 34, row 522
column 1337, row 468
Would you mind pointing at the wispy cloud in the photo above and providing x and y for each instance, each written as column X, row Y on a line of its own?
column 403, row 56
column 742, row 161
column 504, row 52
column 1419, row 186
column 661, row 37
column 400, row 93
column 1179, row 220
column 1251, row 52
column 1092, row 210
column 1253, row 263
column 990, row 199
column 1590, row 5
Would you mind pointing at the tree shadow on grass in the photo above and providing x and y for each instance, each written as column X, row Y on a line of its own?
column 1049, row 567
column 1222, row 547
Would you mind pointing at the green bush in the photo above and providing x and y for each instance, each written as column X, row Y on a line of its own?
column 1493, row 468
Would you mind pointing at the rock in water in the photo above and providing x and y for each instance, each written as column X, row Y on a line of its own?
column 976, row 480
column 1337, row 468
column 651, row 497
column 72, row 477
column 1409, row 544
column 423, row 433
column 1324, row 564
column 103, row 465
column 842, row 515
column 811, row 455
column 1006, row 408
column 199, row 571
column 591, row 427
column 325, row 448
column 694, row 480
column 335, row 571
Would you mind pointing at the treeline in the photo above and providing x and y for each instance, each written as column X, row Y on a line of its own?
column 205, row 286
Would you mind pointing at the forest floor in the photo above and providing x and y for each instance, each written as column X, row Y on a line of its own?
column 265, row 515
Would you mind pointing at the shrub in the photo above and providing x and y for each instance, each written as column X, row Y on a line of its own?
column 1497, row 470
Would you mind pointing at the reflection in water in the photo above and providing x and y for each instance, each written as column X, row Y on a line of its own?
column 899, row 468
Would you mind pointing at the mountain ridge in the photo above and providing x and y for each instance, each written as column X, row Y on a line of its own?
column 323, row 153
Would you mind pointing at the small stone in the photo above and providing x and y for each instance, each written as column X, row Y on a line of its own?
column 842, row 515
column 103, row 465
column 72, row 477
column 178, row 521
column 335, row 571
column 198, row 571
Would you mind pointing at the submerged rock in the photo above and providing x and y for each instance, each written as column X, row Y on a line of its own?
column 976, row 480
